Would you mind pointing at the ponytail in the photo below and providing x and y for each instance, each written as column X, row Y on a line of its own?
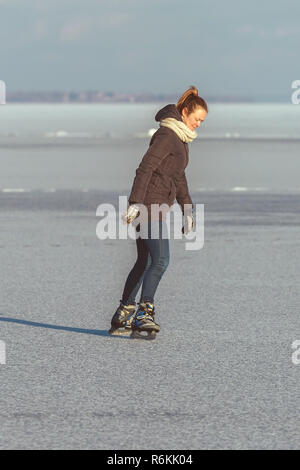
column 191, row 100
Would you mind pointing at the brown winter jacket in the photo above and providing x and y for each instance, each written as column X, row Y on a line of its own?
column 160, row 177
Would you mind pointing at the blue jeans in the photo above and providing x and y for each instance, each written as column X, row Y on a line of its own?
column 153, row 257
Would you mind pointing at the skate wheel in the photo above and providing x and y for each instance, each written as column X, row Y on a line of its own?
column 119, row 332
column 152, row 334
column 148, row 335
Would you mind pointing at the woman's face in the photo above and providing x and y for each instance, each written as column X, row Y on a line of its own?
column 194, row 119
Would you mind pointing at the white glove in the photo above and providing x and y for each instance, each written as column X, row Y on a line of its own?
column 130, row 214
column 188, row 224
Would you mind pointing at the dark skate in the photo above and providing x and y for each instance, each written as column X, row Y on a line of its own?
column 143, row 325
column 122, row 320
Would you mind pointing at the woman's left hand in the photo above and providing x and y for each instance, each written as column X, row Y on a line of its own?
column 188, row 224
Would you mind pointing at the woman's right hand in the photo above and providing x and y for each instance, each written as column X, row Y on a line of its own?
column 130, row 214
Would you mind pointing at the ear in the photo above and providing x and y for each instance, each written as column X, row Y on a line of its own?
column 184, row 112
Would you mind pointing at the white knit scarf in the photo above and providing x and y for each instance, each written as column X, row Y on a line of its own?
column 183, row 132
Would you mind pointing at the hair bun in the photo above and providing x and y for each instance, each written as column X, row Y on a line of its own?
column 193, row 90
column 191, row 100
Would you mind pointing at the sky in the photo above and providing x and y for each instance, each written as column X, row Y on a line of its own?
column 230, row 48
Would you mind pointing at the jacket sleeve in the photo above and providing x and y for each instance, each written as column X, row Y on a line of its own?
column 183, row 195
column 158, row 150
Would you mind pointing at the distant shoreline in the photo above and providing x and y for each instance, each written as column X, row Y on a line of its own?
column 71, row 97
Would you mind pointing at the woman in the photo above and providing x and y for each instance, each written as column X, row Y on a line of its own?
column 160, row 178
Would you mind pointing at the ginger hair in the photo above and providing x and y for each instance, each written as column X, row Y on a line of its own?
column 191, row 100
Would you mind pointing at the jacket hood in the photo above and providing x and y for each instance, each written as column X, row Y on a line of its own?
column 169, row 111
